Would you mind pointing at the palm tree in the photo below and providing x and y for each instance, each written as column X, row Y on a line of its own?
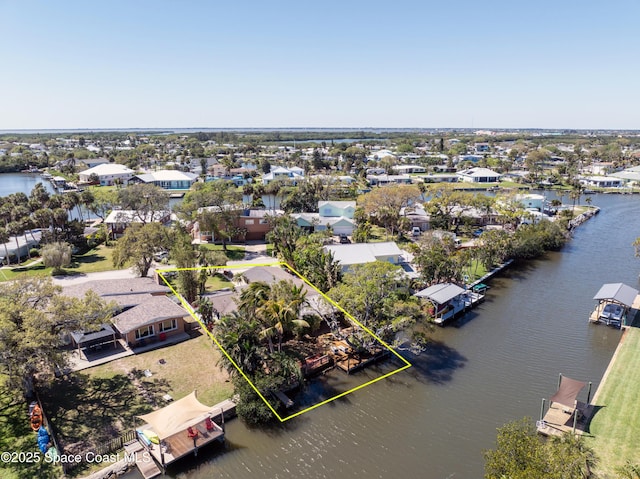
column 239, row 337
column 253, row 297
column 281, row 312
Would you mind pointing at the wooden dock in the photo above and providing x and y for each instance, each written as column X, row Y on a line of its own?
column 153, row 458
column 350, row 363
column 181, row 444
column 145, row 464
column 226, row 408
column 559, row 419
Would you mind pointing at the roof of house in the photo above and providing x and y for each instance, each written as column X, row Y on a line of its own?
column 224, row 302
column 107, row 288
column 440, row 293
column 151, row 310
column 131, row 216
column 167, row 175
column 360, row 253
column 479, row 172
column 275, row 274
column 108, row 169
column 315, row 218
column 338, row 204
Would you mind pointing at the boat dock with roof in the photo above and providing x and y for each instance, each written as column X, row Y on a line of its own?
column 450, row 300
column 175, row 431
column 616, row 305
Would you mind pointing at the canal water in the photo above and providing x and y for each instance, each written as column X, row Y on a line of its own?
column 435, row 419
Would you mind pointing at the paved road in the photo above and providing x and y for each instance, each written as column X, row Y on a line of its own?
column 251, row 257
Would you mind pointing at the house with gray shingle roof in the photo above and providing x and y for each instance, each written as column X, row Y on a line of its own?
column 143, row 311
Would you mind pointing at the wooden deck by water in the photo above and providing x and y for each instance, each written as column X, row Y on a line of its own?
column 145, row 464
column 559, row 419
column 150, row 459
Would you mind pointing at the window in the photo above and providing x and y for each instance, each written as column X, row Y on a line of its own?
column 144, row 332
column 263, row 221
column 248, row 222
column 168, row 325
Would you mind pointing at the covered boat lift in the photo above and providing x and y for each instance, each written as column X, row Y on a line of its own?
column 449, row 300
column 614, row 302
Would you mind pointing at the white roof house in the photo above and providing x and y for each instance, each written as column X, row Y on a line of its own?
column 281, row 173
column 108, row 174
column 479, row 175
column 169, row 179
column 361, row 253
column 628, row 175
column 601, row 181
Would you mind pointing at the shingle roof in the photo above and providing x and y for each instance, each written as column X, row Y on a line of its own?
column 151, row 310
column 107, row 288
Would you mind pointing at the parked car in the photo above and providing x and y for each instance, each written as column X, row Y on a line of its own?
column 415, row 231
column 344, row 239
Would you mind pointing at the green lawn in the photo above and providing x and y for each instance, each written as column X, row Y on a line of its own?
column 89, row 407
column 615, row 428
column 94, row 260
column 217, row 282
column 234, row 252
column 188, row 365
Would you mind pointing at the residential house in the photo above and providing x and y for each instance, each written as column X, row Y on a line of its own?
column 149, row 318
column 143, row 313
column 91, row 162
column 118, row 220
column 602, row 181
column 169, row 179
column 108, row 174
column 407, row 169
column 381, row 180
column 337, row 215
column 292, row 175
column 629, row 176
column 417, row 215
column 360, row 253
column 250, row 224
column 479, row 175
column 481, row 147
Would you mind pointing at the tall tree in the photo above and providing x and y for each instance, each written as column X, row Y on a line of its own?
column 56, row 255
column 34, row 318
column 145, row 200
column 185, row 258
column 384, row 205
column 138, row 245
column 521, row 454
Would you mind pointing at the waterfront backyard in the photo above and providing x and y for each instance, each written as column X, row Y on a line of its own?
column 93, row 406
column 615, row 428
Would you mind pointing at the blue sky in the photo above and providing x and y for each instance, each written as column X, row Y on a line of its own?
column 234, row 64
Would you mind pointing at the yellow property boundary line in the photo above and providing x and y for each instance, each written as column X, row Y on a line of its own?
column 187, row 306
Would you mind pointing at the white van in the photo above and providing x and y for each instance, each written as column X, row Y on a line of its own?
column 415, row 231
